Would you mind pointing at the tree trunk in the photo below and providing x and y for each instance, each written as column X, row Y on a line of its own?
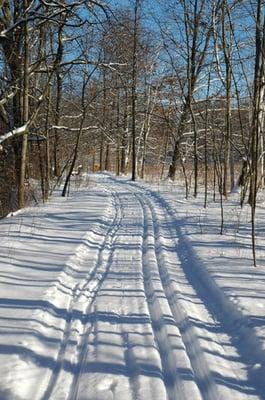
column 134, row 88
column 176, row 150
column 257, row 118
column 124, row 140
column 67, row 180
column 21, row 191
column 59, row 88
column 107, row 158
column 227, row 48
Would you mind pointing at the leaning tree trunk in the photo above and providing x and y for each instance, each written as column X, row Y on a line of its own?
column 68, row 177
column 176, row 149
column 227, row 49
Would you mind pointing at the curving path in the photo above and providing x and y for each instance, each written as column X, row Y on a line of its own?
column 137, row 321
column 149, row 329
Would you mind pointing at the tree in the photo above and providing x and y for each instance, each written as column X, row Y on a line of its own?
column 192, row 26
column 257, row 116
column 32, row 59
column 134, row 85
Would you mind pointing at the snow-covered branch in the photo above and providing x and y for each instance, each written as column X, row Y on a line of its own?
column 8, row 97
column 62, row 127
column 15, row 132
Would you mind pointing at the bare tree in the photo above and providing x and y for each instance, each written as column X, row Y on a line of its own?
column 134, row 85
column 193, row 27
column 258, row 116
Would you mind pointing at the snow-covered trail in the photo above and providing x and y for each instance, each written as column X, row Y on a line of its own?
column 125, row 315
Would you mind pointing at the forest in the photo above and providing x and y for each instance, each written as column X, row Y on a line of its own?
column 132, row 199
column 142, row 87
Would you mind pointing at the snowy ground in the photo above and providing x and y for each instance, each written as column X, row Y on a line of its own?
column 127, row 291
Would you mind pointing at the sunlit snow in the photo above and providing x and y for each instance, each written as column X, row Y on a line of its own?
column 127, row 291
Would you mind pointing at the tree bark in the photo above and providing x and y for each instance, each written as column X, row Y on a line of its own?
column 21, row 190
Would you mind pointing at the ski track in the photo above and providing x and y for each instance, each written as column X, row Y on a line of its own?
column 195, row 349
column 165, row 280
column 132, row 339
column 177, row 370
column 139, row 322
column 86, row 289
column 229, row 379
column 236, row 343
column 104, row 263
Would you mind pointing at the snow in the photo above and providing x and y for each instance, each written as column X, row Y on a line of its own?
column 14, row 132
column 67, row 128
column 127, row 291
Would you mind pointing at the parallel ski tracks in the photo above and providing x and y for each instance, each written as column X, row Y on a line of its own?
column 177, row 371
column 208, row 382
column 184, row 369
column 177, row 316
column 95, row 279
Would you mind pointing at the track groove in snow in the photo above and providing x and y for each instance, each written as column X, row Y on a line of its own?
column 177, row 371
column 198, row 364
column 76, row 330
column 213, row 383
column 99, row 274
column 135, row 350
column 179, row 355
column 131, row 314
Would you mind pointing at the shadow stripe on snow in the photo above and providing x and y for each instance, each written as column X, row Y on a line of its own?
column 251, row 347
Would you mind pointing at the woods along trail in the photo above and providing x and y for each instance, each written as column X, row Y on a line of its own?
column 138, row 319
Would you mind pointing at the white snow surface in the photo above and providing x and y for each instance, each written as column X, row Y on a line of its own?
column 127, row 291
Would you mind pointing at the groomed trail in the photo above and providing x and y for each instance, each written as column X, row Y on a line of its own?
column 129, row 315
